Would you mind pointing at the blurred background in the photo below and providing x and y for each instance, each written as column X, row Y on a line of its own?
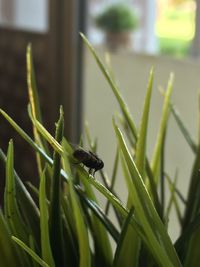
column 163, row 33
column 164, row 27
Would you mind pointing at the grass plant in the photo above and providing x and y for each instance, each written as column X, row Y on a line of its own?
column 68, row 227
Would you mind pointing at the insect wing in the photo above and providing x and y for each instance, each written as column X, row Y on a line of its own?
column 81, row 155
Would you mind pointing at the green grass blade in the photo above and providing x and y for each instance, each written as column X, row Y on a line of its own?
column 116, row 203
column 69, row 234
column 28, row 207
column 11, row 207
column 33, row 190
column 113, row 86
column 192, row 207
column 131, row 239
column 123, row 250
column 183, row 129
column 161, row 245
column 47, row 136
column 92, row 144
column 162, row 175
column 82, row 234
column 173, row 199
column 140, row 154
column 44, row 225
column 32, row 87
column 172, row 187
column 156, row 159
column 153, row 189
column 33, row 247
column 29, row 210
column 8, row 253
column 182, row 242
column 56, row 227
column 182, row 126
column 30, row 252
column 193, row 255
column 198, row 118
column 34, row 103
column 110, row 227
column 113, row 178
column 70, row 225
column 108, row 183
column 101, row 242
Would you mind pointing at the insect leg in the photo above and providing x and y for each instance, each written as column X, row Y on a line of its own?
column 92, row 171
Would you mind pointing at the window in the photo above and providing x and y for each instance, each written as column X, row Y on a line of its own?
column 175, row 26
column 165, row 26
column 22, row 14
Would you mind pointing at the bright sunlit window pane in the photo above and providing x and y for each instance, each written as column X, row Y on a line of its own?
column 175, row 26
column 165, row 26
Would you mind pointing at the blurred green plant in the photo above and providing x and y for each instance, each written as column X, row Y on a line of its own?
column 173, row 47
column 68, row 227
column 117, row 18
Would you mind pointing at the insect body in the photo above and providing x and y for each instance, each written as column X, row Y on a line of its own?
column 89, row 159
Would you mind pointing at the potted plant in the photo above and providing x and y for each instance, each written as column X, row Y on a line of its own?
column 118, row 21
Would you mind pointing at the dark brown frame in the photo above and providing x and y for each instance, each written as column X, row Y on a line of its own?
column 67, row 19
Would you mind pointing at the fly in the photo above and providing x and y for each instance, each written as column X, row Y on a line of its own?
column 89, row 159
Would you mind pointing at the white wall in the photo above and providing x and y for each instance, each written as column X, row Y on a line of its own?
column 132, row 74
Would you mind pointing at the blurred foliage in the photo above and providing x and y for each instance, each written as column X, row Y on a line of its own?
column 117, row 18
column 175, row 28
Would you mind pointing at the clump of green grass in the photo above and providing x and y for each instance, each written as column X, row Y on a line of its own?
column 68, row 227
